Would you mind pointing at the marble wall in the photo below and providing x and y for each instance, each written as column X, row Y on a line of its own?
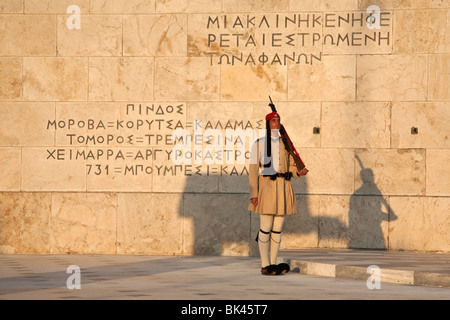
column 125, row 125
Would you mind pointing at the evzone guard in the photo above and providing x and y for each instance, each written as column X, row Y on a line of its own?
column 274, row 161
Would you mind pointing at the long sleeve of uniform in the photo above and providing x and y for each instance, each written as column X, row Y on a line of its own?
column 254, row 171
column 292, row 167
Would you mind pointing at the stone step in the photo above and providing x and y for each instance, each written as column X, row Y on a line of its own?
column 421, row 269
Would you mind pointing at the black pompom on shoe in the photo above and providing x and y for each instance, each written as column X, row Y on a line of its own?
column 283, row 268
column 271, row 270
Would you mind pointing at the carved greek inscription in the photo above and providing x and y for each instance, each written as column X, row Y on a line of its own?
column 294, row 38
column 155, row 139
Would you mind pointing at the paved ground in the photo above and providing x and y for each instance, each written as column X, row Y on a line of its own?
column 113, row 277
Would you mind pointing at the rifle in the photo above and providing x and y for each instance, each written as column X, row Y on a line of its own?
column 288, row 142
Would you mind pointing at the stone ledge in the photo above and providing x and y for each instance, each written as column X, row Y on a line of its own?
column 395, row 267
column 429, row 279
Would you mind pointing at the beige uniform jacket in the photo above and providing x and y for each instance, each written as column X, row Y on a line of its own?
column 274, row 196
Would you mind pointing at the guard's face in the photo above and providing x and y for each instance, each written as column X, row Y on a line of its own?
column 274, row 123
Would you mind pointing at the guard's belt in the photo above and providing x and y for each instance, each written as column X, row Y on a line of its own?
column 287, row 176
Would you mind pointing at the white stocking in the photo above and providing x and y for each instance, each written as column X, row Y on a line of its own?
column 276, row 238
column 264, row 239
column 269, row 238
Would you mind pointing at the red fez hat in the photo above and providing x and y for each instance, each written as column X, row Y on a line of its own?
column 272, row 115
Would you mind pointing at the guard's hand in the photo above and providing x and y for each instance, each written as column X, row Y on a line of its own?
column 303, row 172
column 254, row 201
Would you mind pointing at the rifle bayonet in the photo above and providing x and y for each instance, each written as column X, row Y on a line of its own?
column 271, row 105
